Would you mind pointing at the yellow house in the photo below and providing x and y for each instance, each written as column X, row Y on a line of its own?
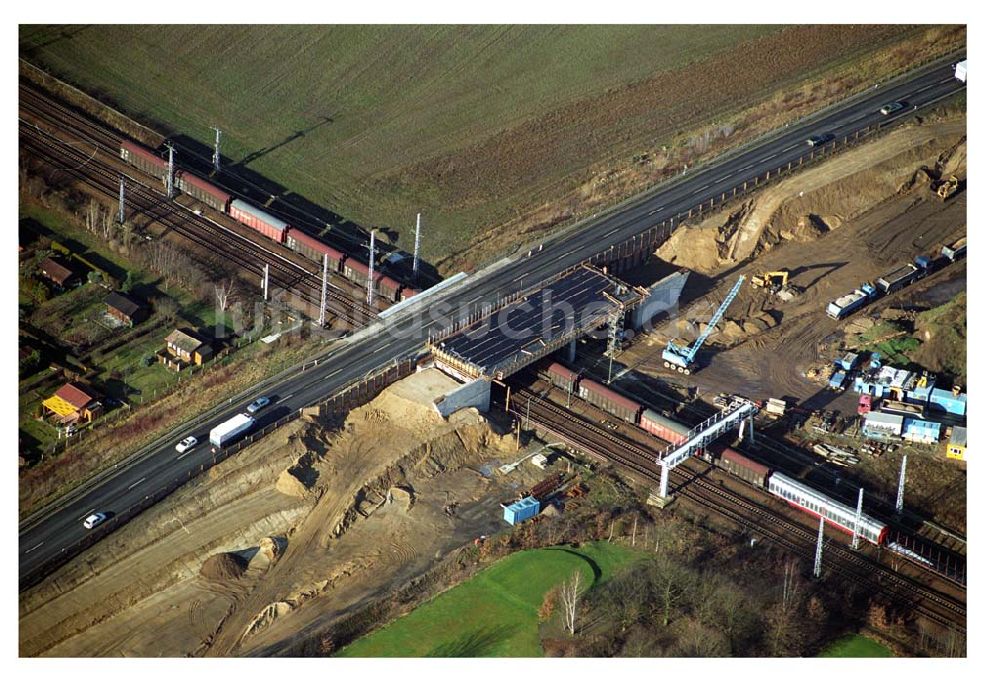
column 956, row 445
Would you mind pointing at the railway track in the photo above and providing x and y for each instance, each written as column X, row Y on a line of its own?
column 587, row 436
column 86, row 165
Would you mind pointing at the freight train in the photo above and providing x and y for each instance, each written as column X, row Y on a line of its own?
column 759, row 475
column 267, row 224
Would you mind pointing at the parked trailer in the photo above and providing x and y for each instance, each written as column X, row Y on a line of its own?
column 202, row 190
column 144, row 159
column 609, row 400
column 899, row 278
column 663, row 427
column 231, row 430
column 739, row 465
column 259, row 220
column 314, row 249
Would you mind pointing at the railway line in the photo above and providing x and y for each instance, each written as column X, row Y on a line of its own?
column 585, row 435
column 89, row 167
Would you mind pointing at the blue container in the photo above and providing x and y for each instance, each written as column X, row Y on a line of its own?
column 837, row 380
column 522, row 510
column 945, row 400
column 927, row 432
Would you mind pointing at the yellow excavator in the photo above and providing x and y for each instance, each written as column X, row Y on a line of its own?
column 945, row 188
column 774, row 281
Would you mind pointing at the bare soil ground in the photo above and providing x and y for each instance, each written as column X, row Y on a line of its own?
column 834, row 226
column 304, row 526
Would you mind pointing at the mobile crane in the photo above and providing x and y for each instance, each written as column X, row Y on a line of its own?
column 681, row 358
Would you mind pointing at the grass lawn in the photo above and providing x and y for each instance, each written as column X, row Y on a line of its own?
column 855, row 646
column 496, row 612
column 470, row 125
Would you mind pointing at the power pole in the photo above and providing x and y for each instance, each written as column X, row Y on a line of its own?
column 264, row 283
column 817, row 563
column 170, row 171
column 899, row 492
column 121, row 199
column 857, row 520
column 371, row 268
column 322, row 296
column 217, row 155
column 416, row 247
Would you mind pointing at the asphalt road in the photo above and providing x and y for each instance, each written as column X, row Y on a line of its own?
column 353, row 358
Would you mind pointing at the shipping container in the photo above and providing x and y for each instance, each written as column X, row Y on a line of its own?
column 521, row 510
column 143, row 159
column 945, row 400
column 202, row 190
column 313, row 248
column 923, row 432
column 561, row 376
column 259, row 220
column 663, row 427
column 898, row 278
column 878, row 424
column 610, row 401
column 739, row 465
column 836, row 381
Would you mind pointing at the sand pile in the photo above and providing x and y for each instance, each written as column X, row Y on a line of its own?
column 223, row 567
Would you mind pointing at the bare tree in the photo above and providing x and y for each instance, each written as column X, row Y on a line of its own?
column 223, row 292
column 570, row 593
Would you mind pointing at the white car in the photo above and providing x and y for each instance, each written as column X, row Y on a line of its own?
column 258, row 404
column 93, row 520
column 186, row 444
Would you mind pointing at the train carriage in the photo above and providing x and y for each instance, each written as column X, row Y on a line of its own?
column 817, row 504
column 355, row 271
column 663, row 427
column 747, row 470
column 562, row 377
column 610, row 401
column 259, row 220
column 143, row 159
column 388, row 287
column 202, row 190
column 314, row 249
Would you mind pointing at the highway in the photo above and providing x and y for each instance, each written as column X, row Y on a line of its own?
column 46, row 534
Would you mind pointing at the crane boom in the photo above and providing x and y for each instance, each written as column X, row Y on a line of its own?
column 682, row 358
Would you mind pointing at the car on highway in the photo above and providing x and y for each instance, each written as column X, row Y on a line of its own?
column 258, row 404
column 186, row 444
column 819, row 139
column 94, row 519
column 890, row 108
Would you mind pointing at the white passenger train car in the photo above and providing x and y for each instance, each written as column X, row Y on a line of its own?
column 815, row 503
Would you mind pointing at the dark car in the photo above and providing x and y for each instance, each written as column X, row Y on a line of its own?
column 890, row 108
column 819, row 139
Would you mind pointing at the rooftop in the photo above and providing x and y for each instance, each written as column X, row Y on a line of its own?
column 185, row 340
column 122, row 303
column 76, row 394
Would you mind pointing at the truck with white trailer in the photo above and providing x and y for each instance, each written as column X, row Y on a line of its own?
column 899, row 278
column 231, row 430
column 847, row 304
column 961, row 70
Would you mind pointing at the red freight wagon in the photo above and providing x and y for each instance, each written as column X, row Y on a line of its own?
column 389, row 287
column 749, row 471
column 408, row 293
column 663, row 427
column 355, row 271
column 562, row 377
column 609, row 400
column 144, row 159
column 314, row 249
column 200, row 189
column 259, row 220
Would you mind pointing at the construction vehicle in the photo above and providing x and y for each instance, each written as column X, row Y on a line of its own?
column 774, row 281
column 945, row 188
column 847, row 304
column 681, row 358
column 955, row 250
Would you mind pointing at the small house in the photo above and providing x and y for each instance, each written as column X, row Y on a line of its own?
column 59, row 272
column 185, row 346
column 125, row 309
column 957, row 443
column 74, row 402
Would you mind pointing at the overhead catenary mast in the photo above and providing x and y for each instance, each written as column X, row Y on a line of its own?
column 170, row 171
column 857, row 520
column 121, row 199
column 902, row 482
column 818, row 562
column 217, row 155
column 371, row 268
column 322, row 296
column 416, row 247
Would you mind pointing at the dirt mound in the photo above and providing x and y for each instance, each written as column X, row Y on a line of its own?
column 267, row 615
column 223, row 567
column 401, row 496
column 271, row 548
column 298, row 480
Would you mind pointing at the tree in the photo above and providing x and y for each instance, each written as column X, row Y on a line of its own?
column 223, row 292
column 549, row 603
column 570, row 593
column 167, row 307
column 128, row 282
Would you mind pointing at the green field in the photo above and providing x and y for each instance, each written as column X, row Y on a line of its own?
column 855, row 646
column 496, row 612
column 470, row 125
